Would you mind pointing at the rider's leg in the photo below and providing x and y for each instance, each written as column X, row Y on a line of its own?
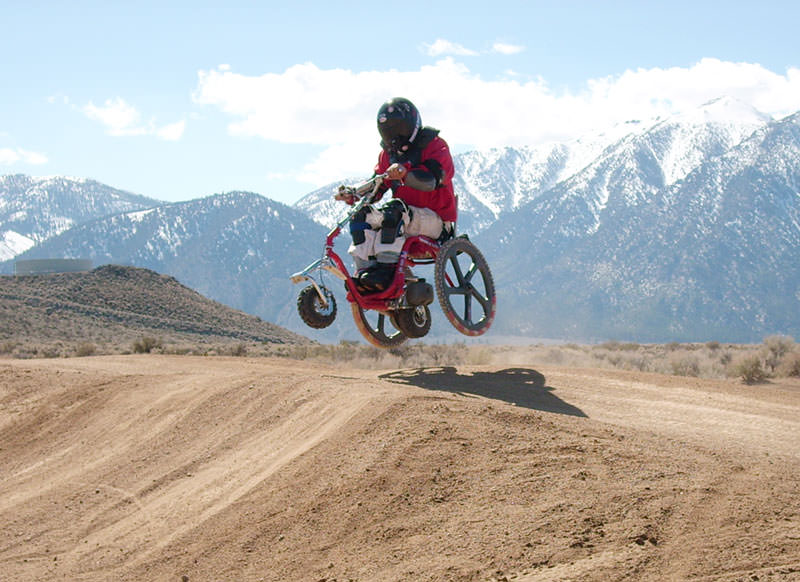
column 425, row 222
column 394, row 217
column 363, row 228
column 393, row 232
column 364, row 253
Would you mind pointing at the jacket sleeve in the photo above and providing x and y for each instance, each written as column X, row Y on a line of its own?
column 434, row 170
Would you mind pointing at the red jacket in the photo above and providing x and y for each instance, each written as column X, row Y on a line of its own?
column 443, row 199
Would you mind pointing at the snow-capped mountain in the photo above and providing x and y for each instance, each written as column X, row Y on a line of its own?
column 35, row 209
column 622, row 250
column 487, row 182
column 237, row 248
column 492, row 182
column 686, row 228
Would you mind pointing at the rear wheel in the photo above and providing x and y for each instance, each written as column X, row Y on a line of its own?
column 414, row 322
column 377, row 327
column 313, row 310
column 465, row 287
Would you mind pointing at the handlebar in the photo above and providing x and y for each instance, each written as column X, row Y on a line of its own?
column 366, row 189
column 362, row 194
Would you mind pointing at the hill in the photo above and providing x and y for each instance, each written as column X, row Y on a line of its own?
column 237, row 248
column 132, row 468
column 115, row 305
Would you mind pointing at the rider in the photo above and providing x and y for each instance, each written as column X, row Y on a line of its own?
column 419, row 172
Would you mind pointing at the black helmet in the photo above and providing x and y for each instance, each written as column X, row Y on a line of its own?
column 399, row 123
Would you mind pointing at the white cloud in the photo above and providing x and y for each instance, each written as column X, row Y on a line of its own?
column 507, row 49
column 9, row 156
column 119, row 117
column 122, row 119
column 441, row 47
column 336, row 108
column 171, row 132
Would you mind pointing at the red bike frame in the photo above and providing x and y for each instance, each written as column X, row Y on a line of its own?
column 416, row 250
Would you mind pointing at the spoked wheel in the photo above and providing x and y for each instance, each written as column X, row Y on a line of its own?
column 313, row 311
column 465, row 287
column 377, row 328
column 414, row 322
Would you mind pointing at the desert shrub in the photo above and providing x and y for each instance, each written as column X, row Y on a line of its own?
column 614, row 345
column 8, row 347
column 751, row 369
column 610, row 345
column 775, row 348
column 713, row 345
column 479, row 356
column 643, row 363
column 146, row 344
column 238, row 350
column 686, row 366
column 554, row 356
column 181, row 350
column 790, row 366
column 422, row 355
column 85, row 349
column 50, row 352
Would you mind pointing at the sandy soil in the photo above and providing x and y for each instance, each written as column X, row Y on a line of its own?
column 167, row 468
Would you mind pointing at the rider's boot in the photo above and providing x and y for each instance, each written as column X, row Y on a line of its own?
column 378, row 278
column 362, row 266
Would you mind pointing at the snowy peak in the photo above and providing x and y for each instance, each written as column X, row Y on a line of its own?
column 12, row 243
column 629, row 161
column 685, row 141
column 724, row 111
column 33, row 209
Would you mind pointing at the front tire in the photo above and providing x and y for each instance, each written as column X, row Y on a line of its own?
column 313, row 311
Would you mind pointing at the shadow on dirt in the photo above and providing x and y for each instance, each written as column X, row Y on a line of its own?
column 519, row 386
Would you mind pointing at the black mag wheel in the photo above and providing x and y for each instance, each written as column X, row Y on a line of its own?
column 377, row 327
column 414, row 322
column 313, row 311
column 465, row 287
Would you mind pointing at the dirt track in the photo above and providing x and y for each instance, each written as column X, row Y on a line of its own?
column 200, row 469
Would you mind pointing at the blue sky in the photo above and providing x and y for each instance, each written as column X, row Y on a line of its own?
column 179, row 100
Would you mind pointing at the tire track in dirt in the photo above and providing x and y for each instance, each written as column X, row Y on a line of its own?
column 158, row 467
column 758, row 419
column 85, row 442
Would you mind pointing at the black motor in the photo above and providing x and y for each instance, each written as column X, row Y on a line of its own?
column 419, row 293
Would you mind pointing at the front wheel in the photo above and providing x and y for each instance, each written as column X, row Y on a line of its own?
column 377, row 327
column 313, row 310
column 465, row 287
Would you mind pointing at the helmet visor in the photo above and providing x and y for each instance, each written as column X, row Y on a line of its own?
column 394, row 131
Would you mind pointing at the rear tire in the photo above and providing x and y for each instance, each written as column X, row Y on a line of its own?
column 313, row 311
column 465, row 287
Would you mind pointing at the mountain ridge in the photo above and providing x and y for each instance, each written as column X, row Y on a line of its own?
column 629, row 245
